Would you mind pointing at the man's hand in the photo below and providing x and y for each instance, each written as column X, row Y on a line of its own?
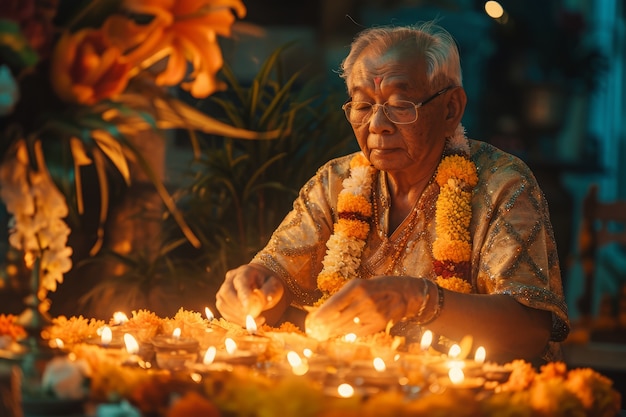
column 366, row 306
column 248, row 290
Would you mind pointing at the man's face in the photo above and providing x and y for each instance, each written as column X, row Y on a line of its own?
column 398, row 148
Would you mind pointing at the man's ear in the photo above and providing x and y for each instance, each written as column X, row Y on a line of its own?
column 455, row 109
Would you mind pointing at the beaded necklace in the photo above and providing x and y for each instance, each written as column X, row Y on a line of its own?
column 456, row 176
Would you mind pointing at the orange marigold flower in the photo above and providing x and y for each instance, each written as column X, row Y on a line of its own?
column 87, row 68
column 9, row 327
column 454, row 284
column 192, row 404
column 354, row 204
column 352, row 228
column 595, row 391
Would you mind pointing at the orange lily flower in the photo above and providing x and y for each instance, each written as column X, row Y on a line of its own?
column 86, row 68
column 183, row 30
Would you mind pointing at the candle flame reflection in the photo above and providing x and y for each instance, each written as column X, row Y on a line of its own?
column 176, row 333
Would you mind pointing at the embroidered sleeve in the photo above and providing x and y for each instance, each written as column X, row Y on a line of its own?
column 514, row 247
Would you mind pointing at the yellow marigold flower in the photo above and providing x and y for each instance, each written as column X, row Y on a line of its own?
column 349, row 203
column 456, row 166
column 352, row 228
column 454, row 284
column 359, row 160
column 452, row 250
column 330, row 282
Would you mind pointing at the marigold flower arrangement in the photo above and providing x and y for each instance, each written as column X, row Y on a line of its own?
column 79, row 81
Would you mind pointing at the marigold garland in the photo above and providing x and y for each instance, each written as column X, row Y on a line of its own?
column 346, row 244
column 452, row 248
column 456, row 176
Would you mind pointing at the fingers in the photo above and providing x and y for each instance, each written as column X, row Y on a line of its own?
column 361, row 307
column 248, row 290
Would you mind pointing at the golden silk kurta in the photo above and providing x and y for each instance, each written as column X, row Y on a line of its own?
column 513, row 247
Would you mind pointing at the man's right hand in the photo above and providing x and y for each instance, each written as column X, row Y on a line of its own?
column 248, row 290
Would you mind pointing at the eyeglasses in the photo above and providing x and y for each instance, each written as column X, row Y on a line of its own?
column 400, row 112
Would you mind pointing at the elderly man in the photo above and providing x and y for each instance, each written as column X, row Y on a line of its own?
column 422, row 228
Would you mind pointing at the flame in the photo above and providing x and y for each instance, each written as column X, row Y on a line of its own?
column 119, row 318
column 345, row 390
column 307, row 352
column 250, row 324
column 350, row 337
column 209, row 314
column 176, row 333
column 230, row 345
column 58, row 343
column 455, row 351
column 379, row 364
column 298, row 366
column 106, row 336
column 456, row 375
column 427, row 340
column 480, row 354
column 132, row 346
column 209, row 356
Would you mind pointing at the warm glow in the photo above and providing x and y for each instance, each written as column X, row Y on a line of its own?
column 427, row 340
column 455, row 351
column 345, row 390
column 293, row 358
column 298, row 366
column 250, row 324
column 176, row 333
column 379, row 364
column 209, row 314
column 356, row 320
column 350, row 337
column 132, row 346
column 230, row 345
column 119, row 318
column 480, row 355
column 209, row 356
column 456, row 375
column 59, row 343
column 307, row 352
column 107, row 335
column 494, row 9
